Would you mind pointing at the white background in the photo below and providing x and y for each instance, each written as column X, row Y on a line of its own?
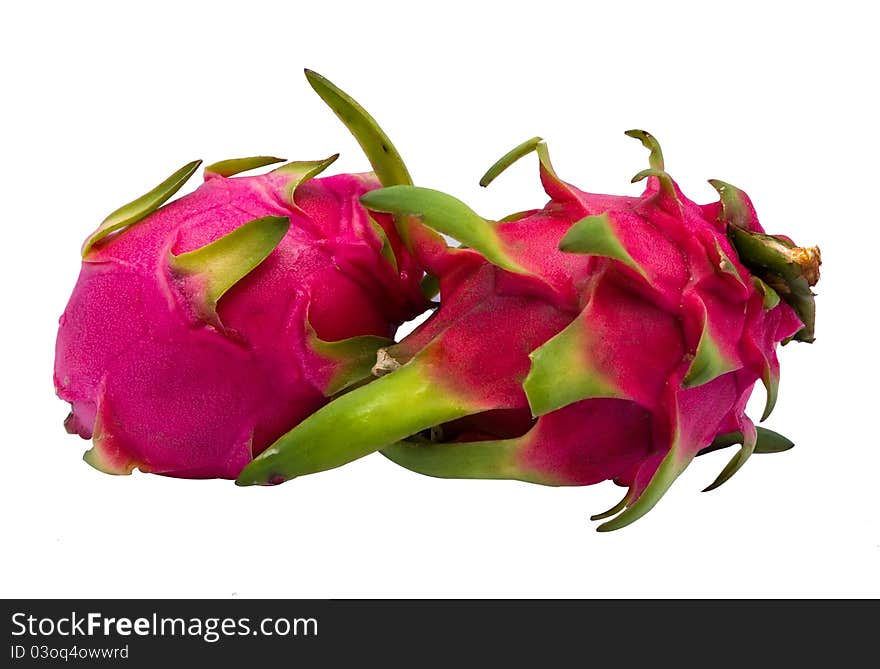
column 101, row 101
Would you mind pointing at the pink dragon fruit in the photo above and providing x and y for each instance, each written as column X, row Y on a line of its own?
column 598, row 338
column 200, row 331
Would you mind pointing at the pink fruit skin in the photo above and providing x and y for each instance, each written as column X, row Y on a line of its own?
column 643, row 336
column 159, row 388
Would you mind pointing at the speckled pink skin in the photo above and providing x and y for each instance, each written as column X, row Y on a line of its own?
column 160, row 389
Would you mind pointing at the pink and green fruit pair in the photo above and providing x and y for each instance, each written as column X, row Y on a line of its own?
column 600, row 337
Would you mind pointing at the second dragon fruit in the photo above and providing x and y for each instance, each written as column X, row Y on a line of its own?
column 601, row 337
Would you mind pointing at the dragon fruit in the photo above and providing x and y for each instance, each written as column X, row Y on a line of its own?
column 201, row 331
column 598, row 338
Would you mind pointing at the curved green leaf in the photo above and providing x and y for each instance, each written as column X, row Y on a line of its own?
column 387, row 252
column 224, row 262
column 771, row 297
column 562, row 372
column 750, row 439
column 595, row 235
column 734, row 210
column 675, row 462
column 445, row 214
column 302, row 171
column 655, row 160
column 667, row 186
column 129, row 214
column 617, row 508
column 358, row 423
column 768, row 441
column 509, row 159
column 709, row 362
column 471, row 460
column 232, row 166
column 385, row 159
